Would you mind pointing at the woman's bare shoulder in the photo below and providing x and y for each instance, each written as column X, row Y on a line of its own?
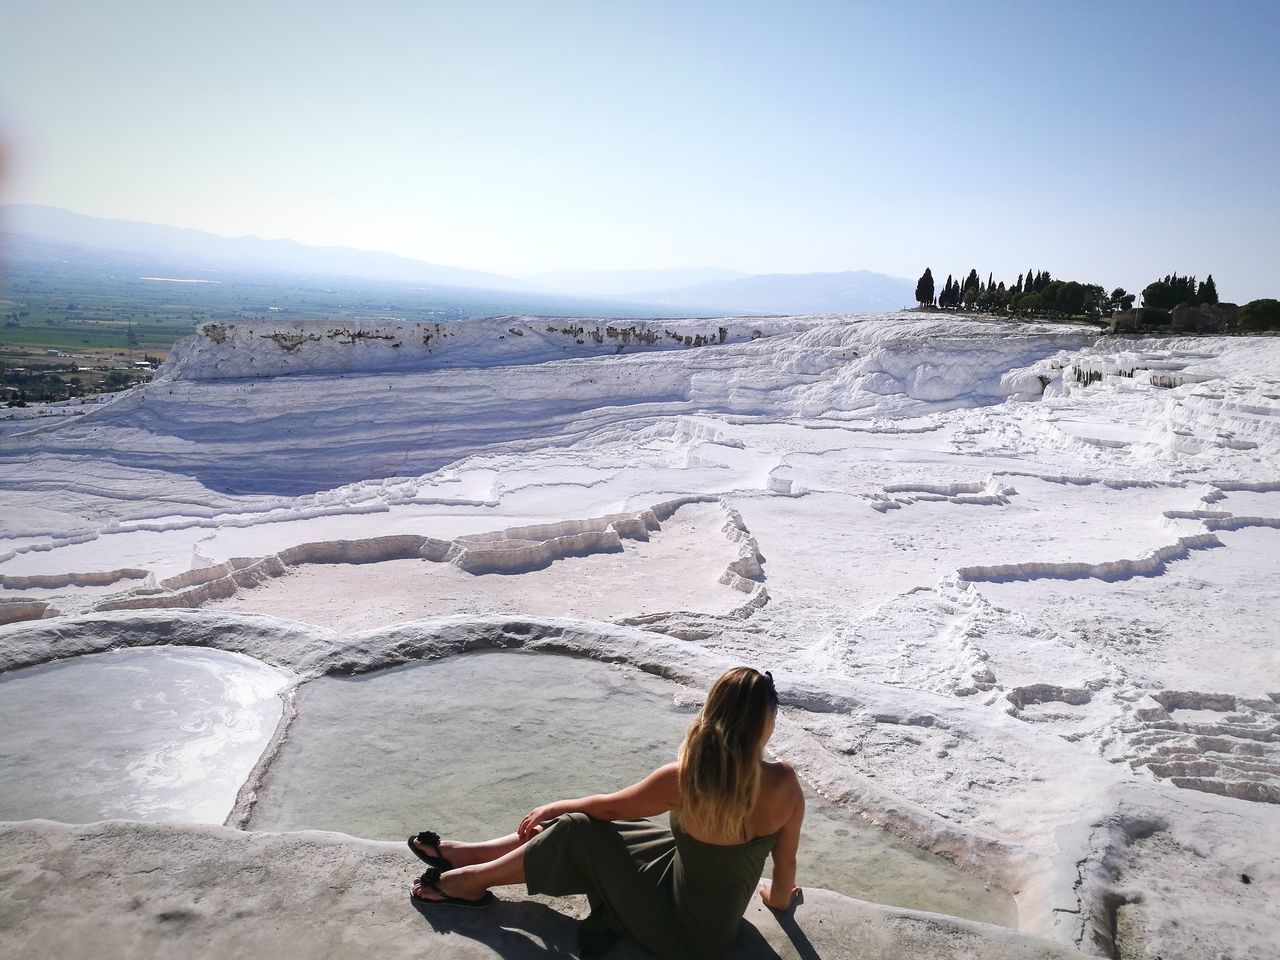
column 780, row 770
column 666, row 778
column 780, row 778
column 668, row 772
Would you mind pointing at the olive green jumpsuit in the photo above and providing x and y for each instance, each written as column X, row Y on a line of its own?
column 679, row 897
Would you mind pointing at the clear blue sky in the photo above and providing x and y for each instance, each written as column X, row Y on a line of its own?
column 1110, row 142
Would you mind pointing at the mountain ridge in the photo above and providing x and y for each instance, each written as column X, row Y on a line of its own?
column 716, row 291
column 629, row 283
column 171, row 244
column 847, row 291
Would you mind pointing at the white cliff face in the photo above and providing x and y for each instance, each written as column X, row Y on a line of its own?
column 282, row 348
column 1017, row 580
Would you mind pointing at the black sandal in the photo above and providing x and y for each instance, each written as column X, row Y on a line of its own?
column 431, row 878
column 431, row 839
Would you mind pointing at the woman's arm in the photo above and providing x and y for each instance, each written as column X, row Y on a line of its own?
column 781, row 889
column 656, row 793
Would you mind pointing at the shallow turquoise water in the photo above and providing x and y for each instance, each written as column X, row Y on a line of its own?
column 160, row 734
column 469, row 745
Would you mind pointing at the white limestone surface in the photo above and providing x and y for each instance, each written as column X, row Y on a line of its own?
column 1023, row 617
column 118, row 890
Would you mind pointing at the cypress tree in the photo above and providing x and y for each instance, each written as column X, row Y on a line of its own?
column 1208, row 292
column 924, row 288
column 1181, row 289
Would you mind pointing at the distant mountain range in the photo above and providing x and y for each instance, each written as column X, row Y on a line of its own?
column 36, row 231
column 209, row 252
column 628, row 283
column 850, row 291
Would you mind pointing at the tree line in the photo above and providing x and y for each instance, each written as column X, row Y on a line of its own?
column 1173, row 291
column 1037, row 293
column 1034, row 292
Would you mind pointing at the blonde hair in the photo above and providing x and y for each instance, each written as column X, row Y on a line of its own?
column 719, row 763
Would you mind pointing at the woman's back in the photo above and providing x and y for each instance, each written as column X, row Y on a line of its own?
column 679, row 892
column 715, row 876
column 774, row 807
column 682, row 892
column 712, row 883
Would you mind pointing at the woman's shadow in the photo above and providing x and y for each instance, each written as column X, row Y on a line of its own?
column 529, row 930
column 515, row 929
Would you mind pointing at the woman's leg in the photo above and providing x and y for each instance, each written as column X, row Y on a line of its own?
column 473, row 880
column 466, row 854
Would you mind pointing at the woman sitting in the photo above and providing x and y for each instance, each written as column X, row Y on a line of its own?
column 678, row 892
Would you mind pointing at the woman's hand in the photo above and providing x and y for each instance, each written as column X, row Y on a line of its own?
column 766, row 894
column 536, row 817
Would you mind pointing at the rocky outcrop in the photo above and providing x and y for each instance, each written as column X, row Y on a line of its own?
column 1184, row 318
column 513, row 550
column 520, row 549
column 744, row 573
column 52, row 581
column 16, row 611
column 1206, row 318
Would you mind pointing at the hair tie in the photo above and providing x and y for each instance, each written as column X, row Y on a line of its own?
column 773, row 691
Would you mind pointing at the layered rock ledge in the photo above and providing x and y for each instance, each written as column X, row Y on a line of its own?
column 121, row 889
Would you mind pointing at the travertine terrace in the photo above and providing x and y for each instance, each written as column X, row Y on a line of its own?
column 1018, row 584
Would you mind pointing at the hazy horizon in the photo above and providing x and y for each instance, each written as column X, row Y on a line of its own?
column 716, row 272
column 1106, row 145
